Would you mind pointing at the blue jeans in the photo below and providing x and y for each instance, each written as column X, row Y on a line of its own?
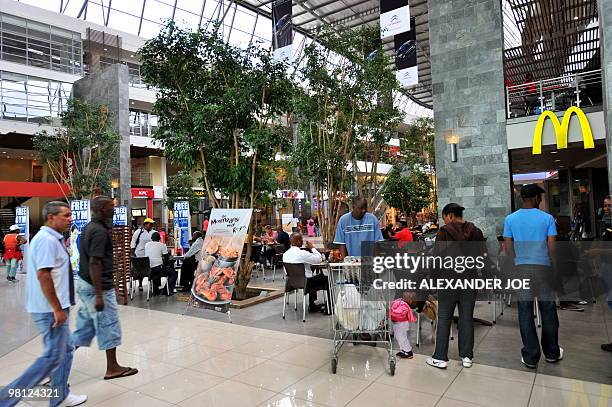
column 540, row 282
column 55, row 361
column 11, row 267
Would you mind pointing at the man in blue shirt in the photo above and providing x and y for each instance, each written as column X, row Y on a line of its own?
column 530, row 236
column 356, row 227
column 49, row 295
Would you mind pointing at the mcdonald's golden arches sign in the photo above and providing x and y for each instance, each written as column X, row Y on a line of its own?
column 562, row 129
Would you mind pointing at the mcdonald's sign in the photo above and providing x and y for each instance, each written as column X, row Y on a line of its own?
column 562, row 129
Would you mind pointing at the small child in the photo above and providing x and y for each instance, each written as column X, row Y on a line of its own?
column 401, row 315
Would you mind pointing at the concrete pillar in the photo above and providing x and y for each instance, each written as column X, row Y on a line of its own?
column 109, row 86
column 605, row 44
column 466, row 42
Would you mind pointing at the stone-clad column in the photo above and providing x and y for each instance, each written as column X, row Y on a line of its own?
column 605, row 44
column 110, row 86
column 468, row 99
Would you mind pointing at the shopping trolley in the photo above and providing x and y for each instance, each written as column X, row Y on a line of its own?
column 360, row 312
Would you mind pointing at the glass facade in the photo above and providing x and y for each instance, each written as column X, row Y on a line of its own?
column 33, row 100
column 31, row 43
column 142, row 123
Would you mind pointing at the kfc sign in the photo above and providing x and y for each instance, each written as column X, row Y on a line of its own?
column 142, row 193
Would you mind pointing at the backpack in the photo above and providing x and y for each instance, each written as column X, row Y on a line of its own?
column 400, row 311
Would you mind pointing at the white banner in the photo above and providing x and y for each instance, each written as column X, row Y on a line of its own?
column 22, row 219
column 215, row 277
column 81, row 216
column 408, row 77
column 395, row 22
column 284, row 54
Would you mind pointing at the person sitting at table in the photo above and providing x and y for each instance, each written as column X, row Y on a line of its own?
column 157, row 252
column 269, row 239
column 295, row 255
column 191, row 260
column 283, row 237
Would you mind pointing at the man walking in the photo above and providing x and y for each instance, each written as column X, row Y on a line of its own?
column 530, row 236
column 97, row 315
column 50, row 293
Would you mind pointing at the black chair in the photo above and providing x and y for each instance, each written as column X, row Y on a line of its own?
column 296, row 280
column 141, row 268
column 256, row 253
column 278, row 258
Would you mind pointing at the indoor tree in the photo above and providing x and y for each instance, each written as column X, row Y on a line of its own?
column 79, row 153
column 408, row 189
column 180, row 188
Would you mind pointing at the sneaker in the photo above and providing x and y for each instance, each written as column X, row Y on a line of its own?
column 46, row 382
column 440, row 364
column 607, row 347
column 556, row 359
column 467, row 362
column 528, row 365
column 405, row 355
column 582, row 302
column 570, row 307
column 74, row 400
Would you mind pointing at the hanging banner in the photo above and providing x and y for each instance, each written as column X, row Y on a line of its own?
column 287, row 220
column 282, row 30
column 81, row 215
column 22, row 219
column 394, row 17
column 215, row 276
column 182, row 224
column 120, row 217
column 406, row 57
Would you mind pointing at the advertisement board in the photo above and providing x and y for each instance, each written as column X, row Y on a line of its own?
column 287, row 221
column 282, row 30
column 394, row 17
column 182, row 223
column 22, row 219
column 120, row 216
column 81, row 216
column 406, row 48
column 215, row 276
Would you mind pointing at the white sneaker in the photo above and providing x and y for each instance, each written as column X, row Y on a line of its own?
column 557, row 359
column 466, row 362
column 74, row 400
column 440, row 364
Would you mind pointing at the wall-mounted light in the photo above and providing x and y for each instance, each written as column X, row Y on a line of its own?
column 452, row 140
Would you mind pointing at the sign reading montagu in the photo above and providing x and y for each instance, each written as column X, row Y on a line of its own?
column 215, row 276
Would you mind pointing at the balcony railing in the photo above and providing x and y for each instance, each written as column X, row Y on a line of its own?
column 582, row 89
column 141, row 179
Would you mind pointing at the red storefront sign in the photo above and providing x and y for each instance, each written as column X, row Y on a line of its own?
column 143, row 193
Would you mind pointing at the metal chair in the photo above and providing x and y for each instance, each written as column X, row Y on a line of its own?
column 141, row 268
column 296, row 280
column 256, row 252
column 278, row 259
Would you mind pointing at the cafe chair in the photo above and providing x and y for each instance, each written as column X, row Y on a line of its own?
column 141, row 269
column 256, row 253
column 296, row 280
column 278, row 259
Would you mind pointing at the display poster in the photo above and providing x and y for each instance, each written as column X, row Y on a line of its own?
column 287, row 221
column 215, row 276
column 120, row 217
column 22, row 219
column 282, row 30
column 394, row 17
column 81, row 215
column 406, row 57
column 182, row 223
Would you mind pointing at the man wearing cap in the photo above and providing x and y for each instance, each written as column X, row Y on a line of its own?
column 12, row 254
column 141, row 237
column 530, row 236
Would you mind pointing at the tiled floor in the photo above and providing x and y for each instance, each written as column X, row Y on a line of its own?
column 198, row 359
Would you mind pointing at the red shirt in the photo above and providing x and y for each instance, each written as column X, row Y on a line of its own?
column 404, row 235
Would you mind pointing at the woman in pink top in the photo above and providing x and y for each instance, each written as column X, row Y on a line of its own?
column 310, row 227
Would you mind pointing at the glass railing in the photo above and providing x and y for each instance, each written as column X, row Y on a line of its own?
column 582, row 89
column 141, row 178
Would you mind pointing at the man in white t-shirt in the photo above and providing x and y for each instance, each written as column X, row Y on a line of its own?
column 157, row 252
column 141, row 237
column 295, row 255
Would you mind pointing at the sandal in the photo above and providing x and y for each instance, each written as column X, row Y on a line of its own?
column 130, row 371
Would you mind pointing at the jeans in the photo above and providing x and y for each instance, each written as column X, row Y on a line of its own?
column 447, row 301
column 539, row 276
column 55, row 361
column 11, row 267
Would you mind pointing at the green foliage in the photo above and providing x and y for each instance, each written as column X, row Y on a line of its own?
column 180, row 188
column 80, row 152
column 408, row 192
column 345, row 114
column 417, row 146
column 220, row 109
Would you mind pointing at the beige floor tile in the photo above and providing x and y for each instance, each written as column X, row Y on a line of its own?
column 77, row 377
column 189, row 355
column 229, row 394
column 273, row 375
column 97, row 390
column 281, row 400
column 311, row 356
column 489, row 391
column 33, row 347
column 227, row 365
column 180, row 385
column 546, row 396
column 326, row 388
column 16, row 357
column 148, row 371
column 500, row 373
column 574, row 385
column 263, row 347
column 10, row 373
column 132, row 399
column 380, row 395
column 360, row 365
column 456, row 403
column 413, row 374
column 155, row 347
column 224, row 340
